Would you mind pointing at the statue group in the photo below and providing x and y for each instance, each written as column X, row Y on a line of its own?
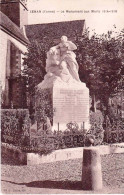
column 61, row 64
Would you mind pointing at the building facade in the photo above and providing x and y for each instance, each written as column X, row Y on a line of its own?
column 13, row 44
column 16, row 11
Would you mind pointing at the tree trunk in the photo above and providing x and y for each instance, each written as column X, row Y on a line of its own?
column 94, row 103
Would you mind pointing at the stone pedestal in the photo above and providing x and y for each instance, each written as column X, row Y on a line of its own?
column 67, row 103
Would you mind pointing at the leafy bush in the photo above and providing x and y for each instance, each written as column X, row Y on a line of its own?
column 72, row 137
column 15, row 125
column 114, row 131
column 96, row 130
column 43, row 106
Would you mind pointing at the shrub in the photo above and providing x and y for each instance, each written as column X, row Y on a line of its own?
column 96, row 131
column 114, row 131
column 15, row 125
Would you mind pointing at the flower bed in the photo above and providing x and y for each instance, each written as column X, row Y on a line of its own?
column 72, row 137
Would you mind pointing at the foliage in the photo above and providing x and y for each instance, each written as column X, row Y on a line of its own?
column 101, row 62
column 114, row 130
column 96, row 121
column 43, row 106
column 59, row 140
column 73, row 136
column 96, row 129
column 15, row 125
column 35, row 62
column 34, row 68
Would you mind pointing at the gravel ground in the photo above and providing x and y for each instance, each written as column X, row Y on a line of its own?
column 59, row 177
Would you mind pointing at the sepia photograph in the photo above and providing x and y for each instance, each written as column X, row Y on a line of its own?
column 62, row 96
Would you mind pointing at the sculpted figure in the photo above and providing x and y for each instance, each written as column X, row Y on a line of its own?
column 62, row 55
column 61, row 65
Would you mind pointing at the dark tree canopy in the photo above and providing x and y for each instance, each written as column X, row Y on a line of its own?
column 101, row 62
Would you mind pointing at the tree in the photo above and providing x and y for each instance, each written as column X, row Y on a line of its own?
column 35, row 62
column 34, row 69
column 101, row 62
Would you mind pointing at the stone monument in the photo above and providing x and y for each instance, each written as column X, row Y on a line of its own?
column 61, row 96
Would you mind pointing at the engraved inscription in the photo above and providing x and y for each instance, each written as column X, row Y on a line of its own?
column 71, row 105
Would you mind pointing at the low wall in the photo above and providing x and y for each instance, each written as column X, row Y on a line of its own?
column 15, row 153
column 71, row 153
column 57, row 155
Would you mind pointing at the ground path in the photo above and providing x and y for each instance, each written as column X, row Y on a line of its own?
column 59, row 177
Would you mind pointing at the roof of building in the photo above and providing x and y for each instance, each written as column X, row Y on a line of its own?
column 9, row 27
column 55, row 30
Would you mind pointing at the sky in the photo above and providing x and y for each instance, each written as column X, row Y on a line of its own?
column 94, row 12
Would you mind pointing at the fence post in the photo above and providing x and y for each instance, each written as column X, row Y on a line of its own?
column 58, row 126
column 91, row 169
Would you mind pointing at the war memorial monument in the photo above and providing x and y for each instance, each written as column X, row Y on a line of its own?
column 66, row 96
